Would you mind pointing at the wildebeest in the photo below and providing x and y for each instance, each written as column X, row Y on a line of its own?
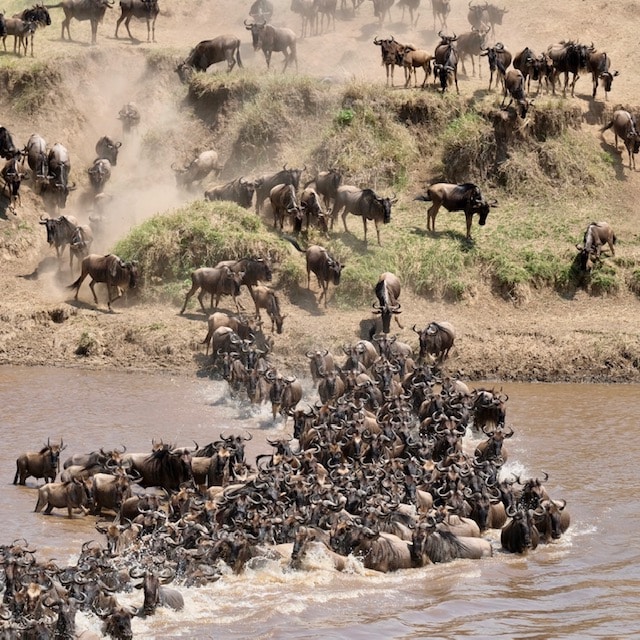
column 412, row 6
column 239, row 191
column 596, row 235
column 110, row 269
column 519, row 533
column 198, row 169
column 116, row 622
column 243, row 327
column 38, row 16
column 414, row 59
column 551, row 519
column 60, row 232
column 308, row 12
column 433, row 545
column 465, row 197
column 499, row 59
column 143, row 9
column 382, row 8
column 487, row 15
column 569, row 58
column 57, row 188
column 387, row 291
column 99, row 174
column 598, row 64
column 529, row 64
column 285, row 203
column 21, row 30
column 492, row 449
column 35, row 152
column 208, row 52
column 165, row 468
column 155, row 593
column 285, row 393
column 129, row 115
column 364, row 203
column 471, row 44
column 7, row 148
column 265, row 183
column 92, row 10
column 12, row 177
column 436, row 340
column 265, row 298
column 312, row 210
column 488, row 409
column 63, row 495
column 320, row 363
column 108, row 148
column 327, row 9
column 625, row 127
column 41, row 464
column 445, row 67
column 215, row 281
column 110, row 491
column 441, row 9
column 80, row 244
column 270, row 39
column 514, row 87
column 325, row 267
column 392, row 52
column 326, row 184
column 253, row 270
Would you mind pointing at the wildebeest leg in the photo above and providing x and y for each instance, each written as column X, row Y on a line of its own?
column 201, row 296
column 92, row 284
column 126, row 24
column 431, row 216
column 194, row 288
column 364, row 222
column 119, row 293
column 469, row 220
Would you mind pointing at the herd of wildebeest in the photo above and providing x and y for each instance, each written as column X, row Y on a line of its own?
column 384, row 468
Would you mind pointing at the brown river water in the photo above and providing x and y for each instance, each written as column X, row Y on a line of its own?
column 586, row 585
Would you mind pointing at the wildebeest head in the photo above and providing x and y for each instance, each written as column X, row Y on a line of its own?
column 108, row 148
column 7, row 148
column 256, row 29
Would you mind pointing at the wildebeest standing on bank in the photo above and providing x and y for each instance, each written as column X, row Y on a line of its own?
column 217, row 282
column 392, row 52
column 445, row 67
column 39, row 16
column 270, row 39
column 436, row 340
column 325, row 267
column 60, row 232
column 92, row 10
column 143, row 9
column 208, row 52
column 111, row 270
column 465, row 197
column 625, row 127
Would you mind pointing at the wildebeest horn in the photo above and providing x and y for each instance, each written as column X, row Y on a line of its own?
column 499, row 46
column 376, row 41
column 247, row 25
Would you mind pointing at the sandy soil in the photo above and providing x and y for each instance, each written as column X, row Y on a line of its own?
column 546, row 337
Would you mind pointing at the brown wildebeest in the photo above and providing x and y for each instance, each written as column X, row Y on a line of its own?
column 63, row 495
column 596, row 235
column 41, row 464
column 265, row 298
column 387, row 291
column 111, row 270
column 92, row 10
column 217, row 281
column 436, row 340
column 625, row 127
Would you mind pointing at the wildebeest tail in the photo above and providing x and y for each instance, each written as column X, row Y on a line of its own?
column 294, row 243
column 607, row 126
column 76, row 284
column 423, row 198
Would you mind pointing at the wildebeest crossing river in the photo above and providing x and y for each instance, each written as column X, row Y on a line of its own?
column 584, row 585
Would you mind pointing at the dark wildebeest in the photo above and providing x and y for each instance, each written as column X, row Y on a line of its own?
column 208, row 52
column 392, row 52
column 215, row 281
column 520, row 533
column 327, row 9
column 111, row 270
column 312, row 210
column 35, row 152
column 320, row 364
column 436, row 340
column 326, row 184
column 143, row 9
column 412, row 6
column 92, row 10
column 41, row 464
column 598, row 64
column 308, row 12
column 325, row 267
column 465, row 197
column 489, row 409
column 414, row 59
column 499, row 59
column 472, row 44
column 382, row 8
column 514, row 87
column 129, row 115
column 116, row 622
column 265, row 183
column 492, row 449
column 56, row 189
column 99, row 174
column 441, row 9
column 445, row 67
column 254, row 270
column 285, row 393
column 569, row 58
column 265, row 298
column 285, row 203
column 364, row 203
column 7, row 148
column 108, row 148
column 596, row 235
column 198, row 169
column 60, row 232
column 155, row 593
column 12, row 177
column 243, row 327
column 37, row 15
column 551, row 519
column 529, row 64
column 63, row 495
column 239, row 191
column 387, row 291
column 270, row 39
column 624, row 127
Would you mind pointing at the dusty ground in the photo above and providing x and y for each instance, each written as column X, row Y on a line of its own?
column 546, row 338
